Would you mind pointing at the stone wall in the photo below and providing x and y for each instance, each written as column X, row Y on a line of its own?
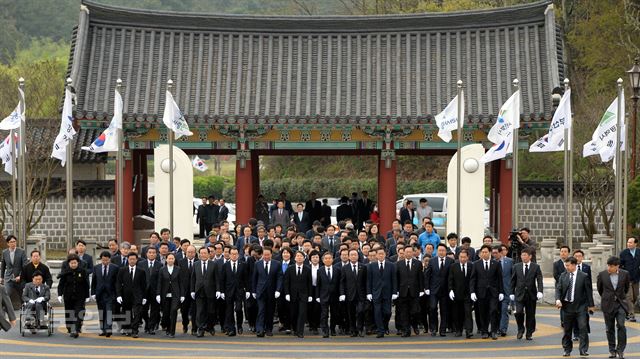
column 93, row 217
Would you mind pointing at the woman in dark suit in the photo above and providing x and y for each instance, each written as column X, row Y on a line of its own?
column 6, row 307
column 169, row 294
column 73, row 288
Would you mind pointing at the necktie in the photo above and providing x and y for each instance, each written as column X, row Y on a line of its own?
column 381, row 268
column 355, row 269
column 38, row 291
column 266, row 268
column 104, row 272
column 441, row 263
column 331, row 243
column 131, row 273
column 124, row 261
column 464, row 269
column 409, row 264
column 580, row 267
column 570, row 289
column 234, row 267
column 486, row 266
column 329, row 273
column 280, row 212
column 151, row 264
column 299, row 271
column 204, row 268
column 190, row 264
column 526, row 269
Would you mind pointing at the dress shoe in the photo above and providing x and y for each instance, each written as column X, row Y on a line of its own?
column 134, row 335
column 612, row 354
column 566, row 354
column 469, row 335
column 485, row 335
column 185, row 330
column 503, row 333
column 443, row 334
column 300, row 335
column 108, row 335
column 354, row 334
column 433, row 334
column 240, row 331
column 380, row 335
column 260, row 335
column 231, row 334
column 269, row 334
column 281, row 329
column 287, row 332
column 194, row 333
column 520, row 334
column 575, row 339
column 212, row 332
column 200, row 333
column 102, row 334
column 584, row 354
column 416, row 331
column 399, row 332
column 386, row 332
column 325, row 335
column 621, row 355
column 458, row 334
column 529, row 337
column 494, row 336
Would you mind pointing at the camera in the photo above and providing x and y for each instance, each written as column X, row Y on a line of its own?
column 516, row 246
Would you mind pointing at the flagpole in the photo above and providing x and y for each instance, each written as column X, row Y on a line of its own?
column 14, row 203
column 170, row 135
column 568, row 179
column 459, row 159
column 69, row 176
column 514, row 169
column 22, row 168
column 120, row 171
column 618, row 178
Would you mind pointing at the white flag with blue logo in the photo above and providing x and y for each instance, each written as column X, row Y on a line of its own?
column 554, row 140
column 501, row 134
column 604, row 138
column 16, row 117
column 108, row 139
column 447, row 120
column 173, row 118
column 66, row 133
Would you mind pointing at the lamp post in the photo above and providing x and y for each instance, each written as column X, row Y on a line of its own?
column 634, row 79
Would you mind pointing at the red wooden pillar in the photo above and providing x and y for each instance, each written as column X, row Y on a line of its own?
column 244, row 189
column 386, row 193
column 127, row 207
column 505, row 193
column 255, row 171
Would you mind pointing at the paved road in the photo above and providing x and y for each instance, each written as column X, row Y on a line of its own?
column 546, row 344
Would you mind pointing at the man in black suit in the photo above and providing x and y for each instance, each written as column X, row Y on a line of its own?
column 526, row 284
column 326, row 211
column 329, row 277
column 188, row 307
column 353, row 290
column 630, row 261
column 297, row 291
column 459, row 280
column 365, row 207
column 203, row 292
column 410, row 287
column 574, row 296
column 382, row 289
column 151, row 310
column 221, row 303
column 266, row 283
column 169, row 294
column 81, row 247
column 201, row 218
column 558, row 269
column 407, row 212
column 436, row 280
column 301, row 219
column 613, row 285
column 131, row 291
column 487, row 291
column 103, row 291
column 578, row 254
column 344, row 211
column 223, row 212
column 121, row 258
column 314, row 208
column 234, row 285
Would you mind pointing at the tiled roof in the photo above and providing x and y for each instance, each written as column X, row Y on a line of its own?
column 262, row 68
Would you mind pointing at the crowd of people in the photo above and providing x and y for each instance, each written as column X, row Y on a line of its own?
column 291, row 273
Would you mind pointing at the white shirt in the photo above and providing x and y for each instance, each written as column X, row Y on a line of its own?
column 328, row 272
column 314, row 274
column 486, row 264
column 463, row 267
column 134, row 272
column 170, row 269
column 298, row 270
column 524, row 266
column 573, row 286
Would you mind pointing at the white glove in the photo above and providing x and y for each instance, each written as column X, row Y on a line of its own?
column 60, row 299
column 193, row 295
column 287, row 297
column 254, row 295
column 427, row 291
column 317, row 299
column 144, row 301
column 93, row 298
column 31, row 301
column 119, row 300
column 474, row 297
column 158, row 299
column 86, row 300
column 222, row 296
column 342, row 298
column 500, row 297
column 512, row 297
column 40, row 299
column 452, row 295
column 277, row 294
column 370, row 297
column 421, row 294
column 217, row 295
column 394, row 296
column 247, row 295
column 310, row 299
column 540, row 295
column 181, row 299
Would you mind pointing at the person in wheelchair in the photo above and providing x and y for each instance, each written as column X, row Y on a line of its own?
column 35, row 297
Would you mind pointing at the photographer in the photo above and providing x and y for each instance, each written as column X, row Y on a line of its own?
column 518, row 240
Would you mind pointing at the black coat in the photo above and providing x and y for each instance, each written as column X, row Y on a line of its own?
column 458, row 282
column 352, row 286
column 298, row 287
column 185, row 275
column 132, row 292
column 486, row 283
column 613, row 298
column 410, row 281
column 526, row 287
column 74, row 285
column 436, row 279
column 204, row 284
column 152, row 274
column 329, row 288
column 343, row 212
column 104, row 288
column 169, row 283
column 234, row 285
